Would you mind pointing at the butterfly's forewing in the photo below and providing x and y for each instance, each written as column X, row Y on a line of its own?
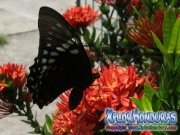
column 62, row 62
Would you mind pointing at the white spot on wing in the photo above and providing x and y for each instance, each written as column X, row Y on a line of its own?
column 54, row 54
column 51, row 61
column 70, row 42
column 50, row 33
column 48, row 45
column 45, row 52
column 53, row 28
column 59, row 25
column 31, row 78
column 74, row 51
column 33, row 87
column 49, row 39
column 74, row 40
column 44, row 60
column 66, row 46
column 44, row 67
column 60, row 49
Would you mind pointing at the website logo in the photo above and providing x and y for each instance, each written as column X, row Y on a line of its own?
column 136, row 120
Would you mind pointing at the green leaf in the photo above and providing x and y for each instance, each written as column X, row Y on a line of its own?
column 114, row 24
column 105, row 39
column 158, row 5
column 166, row 102
column 93, row 35
column 156, row 103
column 48, row 121
column 175, row 39
column 3, row 40
column 107, row 25
column 45, row 130
column 168, row 24
column 160, row 133
column 173, row 2
column 159, row 44
column 137, row 102
column 174, row 83
column 146, row 104
column 164, row 83
column 162, row 49
column 104, row 9
column 97, row 43
column 154, row 1
column 146, row 2
column 177, row 11
column 86, row 36
column 178, row 102
column 149, row 91
column 177, row 63
column 9, row 83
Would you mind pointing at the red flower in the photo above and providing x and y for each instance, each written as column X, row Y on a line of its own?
column 15, row 72
column 113, row 90
column 146, row 132
column 178, row 16
column 142, row 34
column 81, row 16
column 133, row 2
column 80, row 121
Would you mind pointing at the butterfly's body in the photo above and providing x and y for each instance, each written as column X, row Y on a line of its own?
column 61, row 64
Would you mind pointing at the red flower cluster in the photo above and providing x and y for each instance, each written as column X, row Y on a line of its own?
column 133, row 2
column 81, row 16
column 82, row 120
column 114, row 87
column 15, row 72
column 112, row 90
column 12, row 77
column 142, row 34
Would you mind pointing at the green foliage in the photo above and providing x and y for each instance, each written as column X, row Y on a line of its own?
column 104, row 9
column 114, row 43
column 48, row 121
column 168, row 24
column 3, row 40
column 47, row 126
column 150, row 100
column 169, row 86
column 152, row 5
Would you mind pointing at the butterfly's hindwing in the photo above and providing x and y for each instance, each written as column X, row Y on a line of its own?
column 75, row 97
column 62, row 62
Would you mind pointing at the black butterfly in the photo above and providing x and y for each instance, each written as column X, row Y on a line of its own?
column 61, row 64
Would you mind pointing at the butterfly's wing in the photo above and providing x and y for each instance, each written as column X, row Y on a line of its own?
column 62, row 62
